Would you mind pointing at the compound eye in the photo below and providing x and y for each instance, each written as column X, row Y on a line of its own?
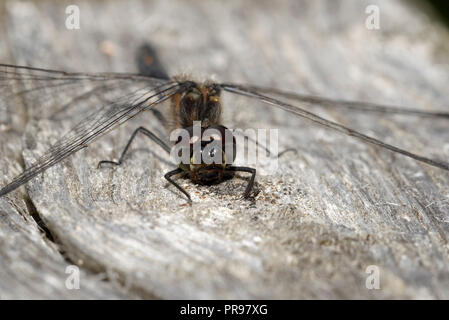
column 215, row 155
column 212, row 152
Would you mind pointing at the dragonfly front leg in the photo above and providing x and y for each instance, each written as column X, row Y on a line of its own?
column 260, row 145
column 251, row 180
column 146, row 132
column 168, row 176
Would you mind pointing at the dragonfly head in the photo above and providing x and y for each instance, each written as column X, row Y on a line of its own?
column 210, row 151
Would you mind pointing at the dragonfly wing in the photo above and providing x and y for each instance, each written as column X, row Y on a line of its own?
column 137, row 94
column 315, row 101
column 253, row 93
column 49, row 93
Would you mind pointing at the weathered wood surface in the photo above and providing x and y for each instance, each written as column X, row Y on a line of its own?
column 310, row 231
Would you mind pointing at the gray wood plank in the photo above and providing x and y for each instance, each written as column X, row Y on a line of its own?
column 32, row 266
column 330, row 211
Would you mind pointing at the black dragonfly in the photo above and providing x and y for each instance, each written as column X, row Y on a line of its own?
column 190, row 101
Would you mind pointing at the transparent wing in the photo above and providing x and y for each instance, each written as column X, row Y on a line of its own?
column 136, row 94
column 314, row 101
column 50, row 93
column 254, row 93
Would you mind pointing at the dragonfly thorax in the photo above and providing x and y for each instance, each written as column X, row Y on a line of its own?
column 201, row 102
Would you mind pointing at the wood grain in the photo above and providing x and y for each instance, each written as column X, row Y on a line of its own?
column 310, row 230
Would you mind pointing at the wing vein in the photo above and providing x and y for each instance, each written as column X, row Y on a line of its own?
column 251, row 92
column 97, row 124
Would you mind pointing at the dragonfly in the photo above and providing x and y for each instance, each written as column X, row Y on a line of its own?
column 125, row 96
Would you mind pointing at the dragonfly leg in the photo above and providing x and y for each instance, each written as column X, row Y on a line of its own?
column 251, row 180
column 260, row 145
column 168, row 176
column 146, row 132
column 280, row 154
